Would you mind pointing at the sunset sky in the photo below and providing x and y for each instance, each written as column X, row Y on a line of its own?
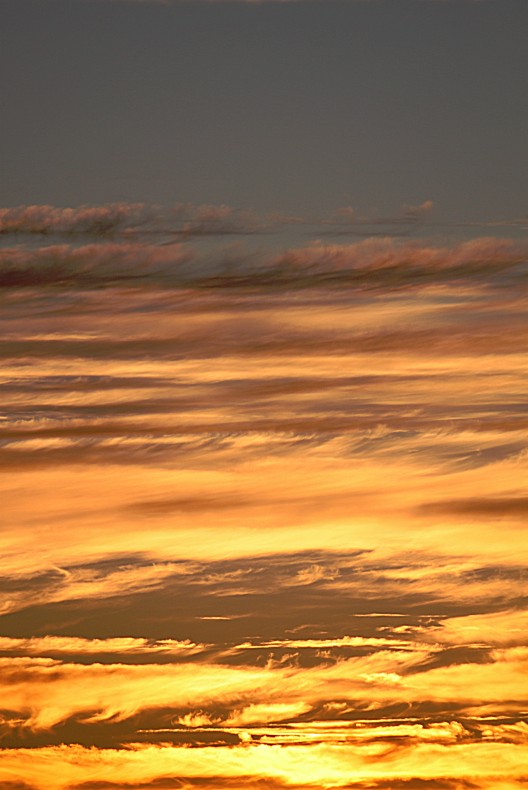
column 264, row 427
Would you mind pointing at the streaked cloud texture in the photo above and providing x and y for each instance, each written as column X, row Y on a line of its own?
column 264, row 497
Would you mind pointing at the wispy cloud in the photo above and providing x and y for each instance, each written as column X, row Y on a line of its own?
column 84, row 220
column 182, row 221
column 237, row 695
column 263, row 501
column 133, row 219
column 371, row 264
column 123, row 646
column 440, row 766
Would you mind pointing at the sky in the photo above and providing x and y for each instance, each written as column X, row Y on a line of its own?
column 277, row 106
column 263, row 439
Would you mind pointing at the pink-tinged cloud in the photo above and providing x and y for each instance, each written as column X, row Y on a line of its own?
column 131, row 219
column 375, row 256
column 93, row 265
column 374, row 264
column 419, row 210
column 84, row 220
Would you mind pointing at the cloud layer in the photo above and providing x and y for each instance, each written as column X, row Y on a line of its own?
column 263, row 502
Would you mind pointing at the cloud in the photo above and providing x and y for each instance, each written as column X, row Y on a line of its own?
column 492, row 628
column 260, row 506
column 132, row 219
column 57, row 645
column 91, row 265
column 344, row 641
column 83, row 221
column 187, row 221
column 420, row 210
column 346, row 221
column 383, row 263
column 489, row 765
column 46, row 692
column 372, row 263
column 482, row 507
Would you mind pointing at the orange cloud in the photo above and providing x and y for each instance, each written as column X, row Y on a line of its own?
column 491, row 765
column 267, row 507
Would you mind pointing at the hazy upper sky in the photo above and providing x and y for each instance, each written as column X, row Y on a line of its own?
column 291, row 106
